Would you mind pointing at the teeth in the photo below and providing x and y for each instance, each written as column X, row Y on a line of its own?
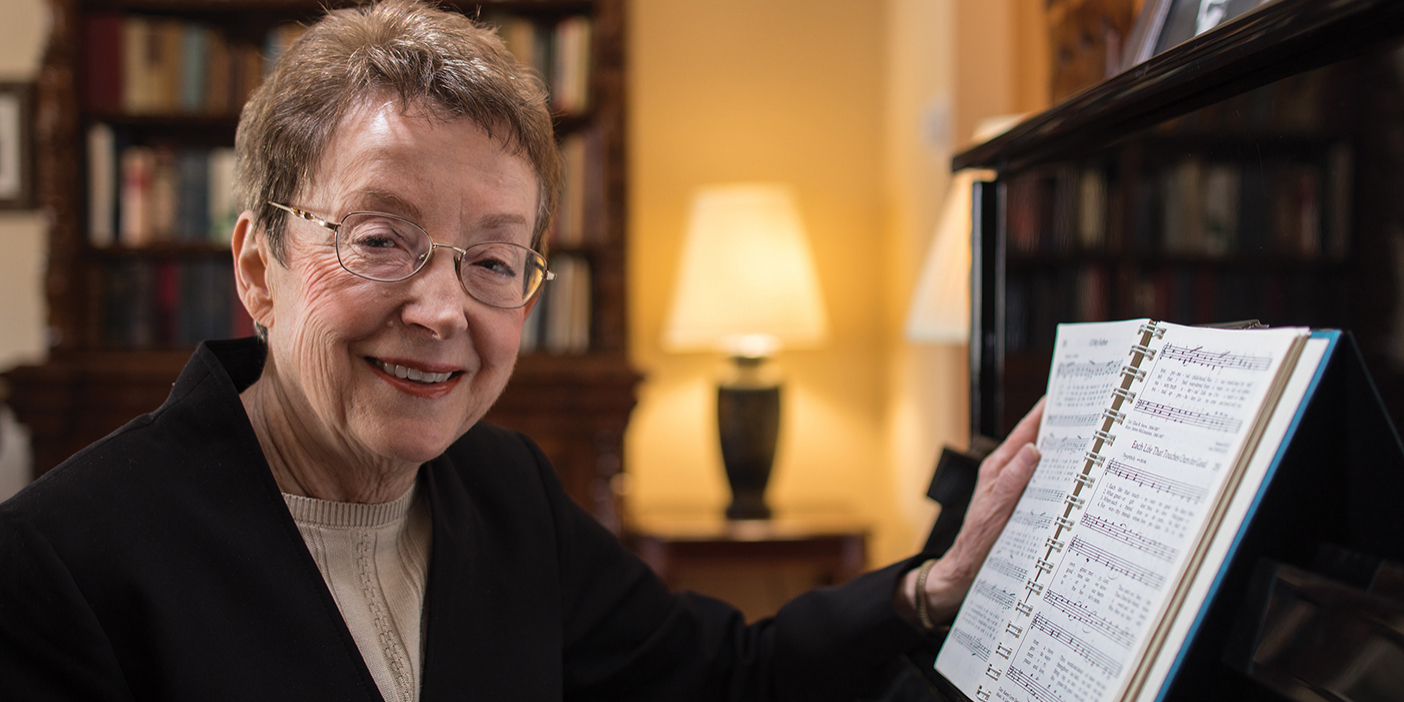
column 413, row 374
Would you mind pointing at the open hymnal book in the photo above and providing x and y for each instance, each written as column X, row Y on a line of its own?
column 1155, row 438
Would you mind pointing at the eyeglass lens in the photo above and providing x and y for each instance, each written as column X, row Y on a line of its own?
column 385, row 248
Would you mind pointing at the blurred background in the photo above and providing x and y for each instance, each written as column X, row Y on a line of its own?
column 857, row 107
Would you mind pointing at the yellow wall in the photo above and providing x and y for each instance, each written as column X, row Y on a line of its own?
column 858, row 106
column 787, row 90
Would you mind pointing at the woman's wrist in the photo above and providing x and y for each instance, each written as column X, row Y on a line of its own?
column 914, row 599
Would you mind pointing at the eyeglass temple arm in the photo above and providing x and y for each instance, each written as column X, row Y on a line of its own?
column 304, row 214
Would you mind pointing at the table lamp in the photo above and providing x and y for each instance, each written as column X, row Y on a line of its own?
column 746, row 287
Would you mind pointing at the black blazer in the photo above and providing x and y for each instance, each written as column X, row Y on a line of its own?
column 161, row 564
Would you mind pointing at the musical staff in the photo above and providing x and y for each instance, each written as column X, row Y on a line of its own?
column 990, row 592
column 1009, row 569
column 1088, row 369
column 1159, row 483
column 972, row 644
column 1037, row 521
column 1096, row 554
column 1035, row 690
column 1044, row 494
column 1084, row 615
column 1215, row 359
column 1131, row 538
column 1214, row 422
column 1055, row 444
column 1094, row 655
column 1072, row 420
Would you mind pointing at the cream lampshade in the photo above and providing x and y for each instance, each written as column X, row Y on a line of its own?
column 746, row 286
column 940, row 309
column 747, row 283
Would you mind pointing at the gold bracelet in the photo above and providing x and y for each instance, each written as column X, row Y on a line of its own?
column 922, row 615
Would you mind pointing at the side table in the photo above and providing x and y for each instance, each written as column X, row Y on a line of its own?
column 756, row 565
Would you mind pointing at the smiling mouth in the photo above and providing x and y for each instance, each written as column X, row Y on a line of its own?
column 414, row 375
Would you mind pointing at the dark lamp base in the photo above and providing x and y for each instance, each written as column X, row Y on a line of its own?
column 748, row 421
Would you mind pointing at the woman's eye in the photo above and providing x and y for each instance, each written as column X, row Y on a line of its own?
column 495, row 265
column 379, row 235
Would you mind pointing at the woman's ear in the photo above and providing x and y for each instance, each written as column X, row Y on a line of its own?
column 251, row 267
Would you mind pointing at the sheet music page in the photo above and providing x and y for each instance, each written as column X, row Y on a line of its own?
column 1134, row 503
column 1218, row 546
column 1086, row 367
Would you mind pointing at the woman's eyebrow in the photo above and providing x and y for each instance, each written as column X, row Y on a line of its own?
column 388, row 202
column 498, row 221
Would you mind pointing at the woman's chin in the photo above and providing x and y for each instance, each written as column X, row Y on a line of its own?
column 411, row 448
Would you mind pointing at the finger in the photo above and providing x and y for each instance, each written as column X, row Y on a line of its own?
column 1016, row 474
column 1026, row 431
column 984, row 522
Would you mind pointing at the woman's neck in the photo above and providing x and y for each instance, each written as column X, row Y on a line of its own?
column 305, row 462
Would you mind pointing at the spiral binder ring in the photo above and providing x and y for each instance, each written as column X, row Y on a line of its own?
column 1135, row 373
column 1107, row 437
column 1144, row 351
column 1114, row 415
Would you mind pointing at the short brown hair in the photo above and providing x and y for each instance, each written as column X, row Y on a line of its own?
column 425, row 56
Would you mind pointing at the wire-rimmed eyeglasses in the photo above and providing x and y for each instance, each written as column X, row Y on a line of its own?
column 386, row 248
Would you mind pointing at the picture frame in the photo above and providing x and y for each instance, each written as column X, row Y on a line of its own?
column 16, row 146
column 1163, row 24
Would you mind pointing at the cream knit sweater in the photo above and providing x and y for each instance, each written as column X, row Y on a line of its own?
column 375, row 560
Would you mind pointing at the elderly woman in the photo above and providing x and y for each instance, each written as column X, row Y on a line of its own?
column 319, row 514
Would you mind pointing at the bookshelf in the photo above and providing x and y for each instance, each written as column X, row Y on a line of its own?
column 138, row 104
column 1245, row 174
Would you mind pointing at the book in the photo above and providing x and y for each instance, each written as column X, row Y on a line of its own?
column 103, row 179
column 103, row 57
column 1157, row 442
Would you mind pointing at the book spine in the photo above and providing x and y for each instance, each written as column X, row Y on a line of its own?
column 104, row 59
column 102, row 185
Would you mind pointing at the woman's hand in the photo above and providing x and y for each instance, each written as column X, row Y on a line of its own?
column 1003, row 475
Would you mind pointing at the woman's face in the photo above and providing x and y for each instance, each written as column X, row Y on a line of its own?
column 336, row 340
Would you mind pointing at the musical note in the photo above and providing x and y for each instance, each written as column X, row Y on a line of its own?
column 968, row 640
column 1044, row 494
column 1000, row 597
column 1094, row 655
column 1037, row 691
column 1037, row 521
column 1053, row 444
column 1089, row 369
column 1093, row 553
column 1215, row 359
column 1131, row 538
column 1160, row 483
column 1215, row 422
column 1007, row 568
column 1072, row 420
column 1084, row 615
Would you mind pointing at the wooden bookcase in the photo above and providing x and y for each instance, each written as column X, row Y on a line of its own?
column 1250, row 173
column 575, row 404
